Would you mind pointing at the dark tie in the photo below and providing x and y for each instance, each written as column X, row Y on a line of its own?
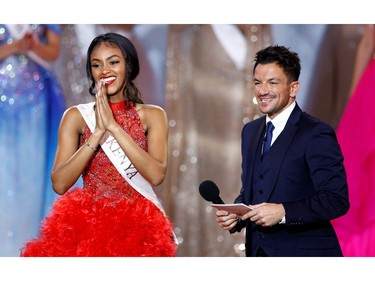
column 268, row 138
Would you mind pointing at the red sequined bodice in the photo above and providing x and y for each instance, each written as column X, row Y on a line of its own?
column 100, row 175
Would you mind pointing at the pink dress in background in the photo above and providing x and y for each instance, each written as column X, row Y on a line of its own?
column 356, row 135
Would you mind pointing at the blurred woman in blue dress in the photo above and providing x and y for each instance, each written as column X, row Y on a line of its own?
column 31, row 105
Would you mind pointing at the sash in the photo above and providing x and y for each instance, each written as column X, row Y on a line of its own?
column 119, row 159
column 17, row 31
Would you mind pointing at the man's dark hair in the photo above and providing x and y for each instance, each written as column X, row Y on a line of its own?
column 282, row 56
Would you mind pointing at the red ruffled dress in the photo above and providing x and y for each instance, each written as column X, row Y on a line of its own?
column 106, row 217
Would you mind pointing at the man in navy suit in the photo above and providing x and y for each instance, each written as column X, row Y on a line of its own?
column 299, row 184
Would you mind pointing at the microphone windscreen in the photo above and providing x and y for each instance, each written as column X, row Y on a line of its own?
column 209, row 190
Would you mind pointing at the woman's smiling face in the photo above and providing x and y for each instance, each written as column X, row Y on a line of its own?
column 108, row 64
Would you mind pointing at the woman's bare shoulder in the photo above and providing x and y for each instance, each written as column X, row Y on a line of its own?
column 73, row 118
column 72, row 113
column 150, row 109
column 151, row 115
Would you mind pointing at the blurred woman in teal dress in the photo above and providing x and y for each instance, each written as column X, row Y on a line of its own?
column 31, row 105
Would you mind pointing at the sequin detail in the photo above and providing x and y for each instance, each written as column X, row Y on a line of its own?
column 101, row 176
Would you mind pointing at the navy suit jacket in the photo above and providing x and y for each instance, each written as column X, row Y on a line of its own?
column 304, row 171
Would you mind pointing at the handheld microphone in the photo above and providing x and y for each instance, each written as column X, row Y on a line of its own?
column 210, row 192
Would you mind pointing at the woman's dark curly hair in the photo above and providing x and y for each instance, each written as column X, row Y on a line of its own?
column 129, row 52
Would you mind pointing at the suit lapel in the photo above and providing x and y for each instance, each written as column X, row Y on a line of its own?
column 251, row 153
column 278, row 152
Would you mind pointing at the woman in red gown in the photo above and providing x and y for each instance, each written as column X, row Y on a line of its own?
column 111, row 215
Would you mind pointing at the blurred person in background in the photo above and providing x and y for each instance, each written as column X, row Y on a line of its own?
column 31, row 105
column 356, row 134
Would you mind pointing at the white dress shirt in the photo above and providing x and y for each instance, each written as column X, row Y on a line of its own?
column 279, row 123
